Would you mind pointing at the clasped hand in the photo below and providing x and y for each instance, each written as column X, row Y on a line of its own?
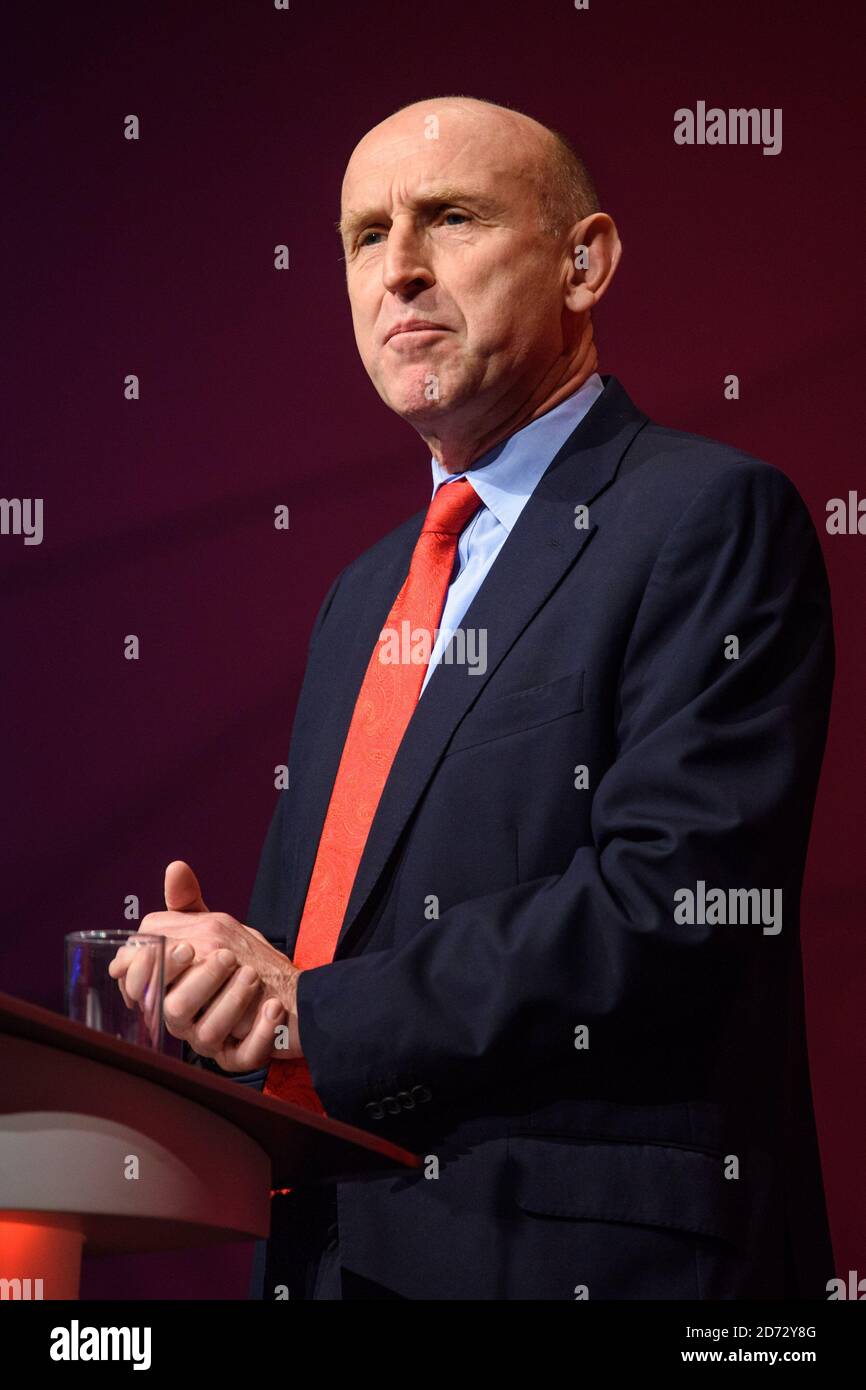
column 229, row 993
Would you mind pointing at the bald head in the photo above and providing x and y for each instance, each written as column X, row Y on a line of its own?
column 460, row 220
column 565, row 190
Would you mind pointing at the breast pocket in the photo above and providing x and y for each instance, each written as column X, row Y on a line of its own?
column 519, row 709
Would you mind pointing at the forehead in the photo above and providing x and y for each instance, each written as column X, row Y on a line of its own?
column 409, row 153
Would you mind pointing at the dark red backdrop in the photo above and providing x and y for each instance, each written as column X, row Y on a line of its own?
column 155, row 258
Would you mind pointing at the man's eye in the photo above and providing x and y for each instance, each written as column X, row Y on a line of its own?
column 366, row 238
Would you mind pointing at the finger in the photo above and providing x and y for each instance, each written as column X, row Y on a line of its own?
column 171, row 925
column 255, row 1049
column 151, row 1011
column 245, row 1023
column 120, row 961
column 215, row 1025
column 142, row 970
column 178, row 955
column 182, row 891
column 130, row 1003
column 125, row 955
column 195, row 989
column 117, row 968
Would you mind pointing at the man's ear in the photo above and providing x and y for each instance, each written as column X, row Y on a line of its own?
column 595, row 250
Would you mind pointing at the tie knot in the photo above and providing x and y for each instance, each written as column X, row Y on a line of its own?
column 452, row 506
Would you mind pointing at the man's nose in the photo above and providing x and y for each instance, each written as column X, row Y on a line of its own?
column 406, row 268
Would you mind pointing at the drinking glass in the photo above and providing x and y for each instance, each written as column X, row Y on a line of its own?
column 97, row 999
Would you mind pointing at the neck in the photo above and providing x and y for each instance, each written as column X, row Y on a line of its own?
column 457, row 447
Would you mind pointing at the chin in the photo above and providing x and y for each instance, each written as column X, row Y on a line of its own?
column 413, row 395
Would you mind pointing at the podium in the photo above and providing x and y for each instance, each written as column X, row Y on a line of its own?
column 106, row 1144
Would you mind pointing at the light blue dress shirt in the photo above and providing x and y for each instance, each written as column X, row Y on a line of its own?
column 504, row 479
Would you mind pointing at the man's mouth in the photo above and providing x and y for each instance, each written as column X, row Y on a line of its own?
column 413, row 326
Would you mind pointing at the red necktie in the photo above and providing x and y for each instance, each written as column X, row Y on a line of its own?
column 384, row 706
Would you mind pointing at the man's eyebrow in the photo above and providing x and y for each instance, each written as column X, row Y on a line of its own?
column 445, row 196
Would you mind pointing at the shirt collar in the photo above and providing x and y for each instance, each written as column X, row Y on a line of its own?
column 506, row 475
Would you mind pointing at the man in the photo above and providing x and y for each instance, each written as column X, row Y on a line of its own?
column 530, row 904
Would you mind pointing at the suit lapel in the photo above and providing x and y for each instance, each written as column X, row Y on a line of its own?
column 542, row 546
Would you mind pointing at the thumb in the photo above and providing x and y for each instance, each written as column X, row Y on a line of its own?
column 182, row 891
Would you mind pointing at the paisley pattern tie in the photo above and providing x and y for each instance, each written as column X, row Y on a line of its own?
column 388, row 695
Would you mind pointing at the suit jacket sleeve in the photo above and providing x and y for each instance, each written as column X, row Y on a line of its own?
column 713, row 779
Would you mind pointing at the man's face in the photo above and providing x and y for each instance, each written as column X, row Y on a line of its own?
column 447, row 232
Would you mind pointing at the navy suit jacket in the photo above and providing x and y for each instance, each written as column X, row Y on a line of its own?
column 614, row 1104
